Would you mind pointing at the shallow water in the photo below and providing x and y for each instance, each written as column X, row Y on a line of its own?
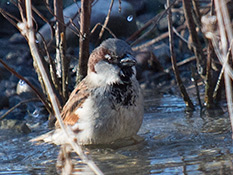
column 175, row 142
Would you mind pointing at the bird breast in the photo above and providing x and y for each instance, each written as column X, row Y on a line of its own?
column 110, row 113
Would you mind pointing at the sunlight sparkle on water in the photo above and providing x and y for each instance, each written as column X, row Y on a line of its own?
column 130, row 18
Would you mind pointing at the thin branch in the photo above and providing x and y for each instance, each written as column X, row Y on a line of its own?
column 220, row 57
column 157, row 39
column 181, row 63
column 9, row 17
column 84, row 38
column 16, row 106
column 34, row 51
column 23, row 30
column 216, row 89
column 209, row 81
column 75, row 27
column 196, row 8
column 65, row 67
column 39, row 14
column 181, row 37
column 39, row 95
column 52, row 68
column 62, row 62
column 106, row 28
column 37, row 58
column 194, row 79
column 106, row 20
column 48, row 7
column 183, row 91
column 201, row 61
column 153, row 21
column 226, row 35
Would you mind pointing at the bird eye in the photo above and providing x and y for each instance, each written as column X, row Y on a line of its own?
column 107, row 56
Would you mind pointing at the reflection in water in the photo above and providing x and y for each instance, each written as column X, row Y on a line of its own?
column 176, row 142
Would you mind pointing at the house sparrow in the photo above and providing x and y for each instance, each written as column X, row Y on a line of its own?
column 107, row 105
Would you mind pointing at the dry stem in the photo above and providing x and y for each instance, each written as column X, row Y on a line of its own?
column 62, row 61
column 106, row 20
column 226, row 37
column 183, row 91
column 84, row 38
column 39, row 95
column 201, row 61
column 34, row 51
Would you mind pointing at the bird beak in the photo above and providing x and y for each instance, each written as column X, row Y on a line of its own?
column 128, row 60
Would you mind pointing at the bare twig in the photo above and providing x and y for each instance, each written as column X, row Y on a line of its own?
column 34, row 51
column 201, row 61
column 40, row 15
column 62, row 62
column 65, row 68
column 181, row 63
column 157, row 39
column 51, row 66
column 181, row 37
column 212, row 8
column 194, row 79
column 226, row 36
column 216, row 89
column 40, row 96
column 21, row 7
column 84, row 39
column 183, row 91
column 64, row 164
column 209, row 103
column 119, row 6
column 220, row 57
column 106, row 28
column 76, row 31
column 23, row 29
column 16, row 106
column 196, row 8
column 153, row 21
column 35, row 54
column 46, row 2
column 106, row 20
column 9, row 17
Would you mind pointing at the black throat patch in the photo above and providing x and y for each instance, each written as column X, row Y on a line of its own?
column 126, row 73
column 123, row 94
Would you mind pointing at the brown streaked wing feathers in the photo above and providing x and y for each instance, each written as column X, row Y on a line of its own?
column 75, row 101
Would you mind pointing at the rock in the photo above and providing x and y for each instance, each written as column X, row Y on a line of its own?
column 17, row 38
column 9, row 7
column 230, row 8
column 122, row 23
column 17, row 125
column 177, row 19
column 4, row 73
column 8, row 87
column 8, row 28
column 139, row 5
column 152, row 6
column 4, row 101
column 16, row 114
column 25, row 90
column 23, row 87
column 14, row 100
column 147, row 61
column 162, row 52
column 21, row 56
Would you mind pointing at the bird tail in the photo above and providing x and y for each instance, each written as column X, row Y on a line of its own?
column 49, row 137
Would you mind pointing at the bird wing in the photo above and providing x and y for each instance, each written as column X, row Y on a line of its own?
column 75, row 101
